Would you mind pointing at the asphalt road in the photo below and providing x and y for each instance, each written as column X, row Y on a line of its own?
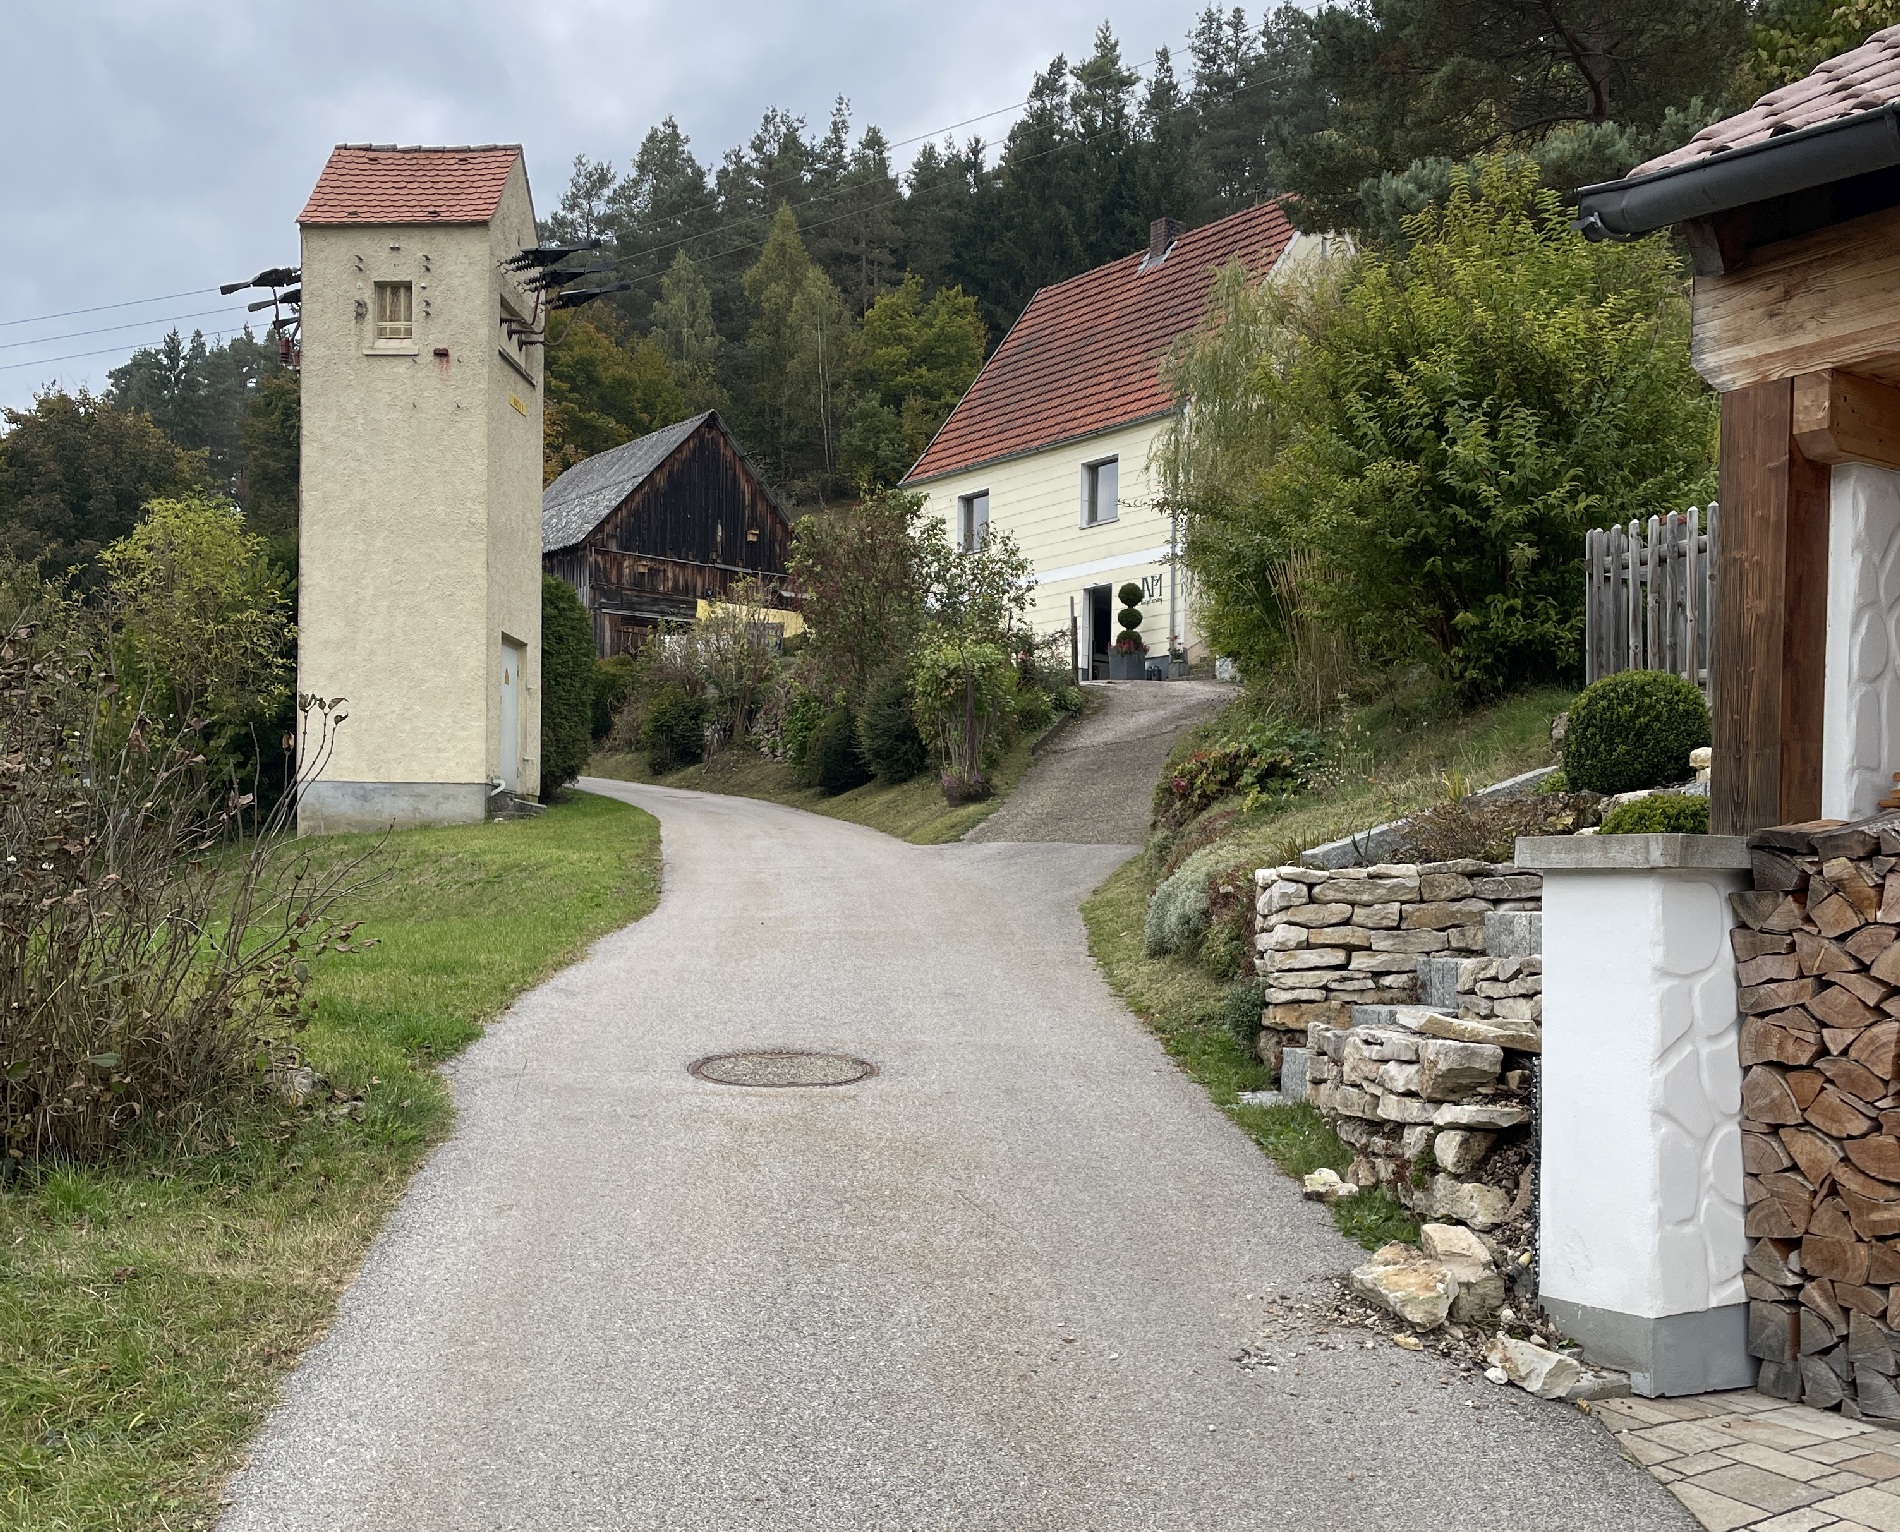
column 1000, row 1285
column 1094, row 781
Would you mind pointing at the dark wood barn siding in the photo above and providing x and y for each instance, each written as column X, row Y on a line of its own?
column 679, row 538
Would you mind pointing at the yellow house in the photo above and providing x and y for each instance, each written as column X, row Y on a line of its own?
column 419, row 580
column 1054, row 439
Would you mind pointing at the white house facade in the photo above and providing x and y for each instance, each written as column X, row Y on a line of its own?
column 1055, row 440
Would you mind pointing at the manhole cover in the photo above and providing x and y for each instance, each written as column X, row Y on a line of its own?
column 783, row 1067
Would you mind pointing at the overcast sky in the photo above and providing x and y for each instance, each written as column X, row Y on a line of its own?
column 161, row 146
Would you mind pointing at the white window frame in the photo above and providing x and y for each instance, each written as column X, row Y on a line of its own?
column 1092, row 492
column 971, row 534
column 393, row 332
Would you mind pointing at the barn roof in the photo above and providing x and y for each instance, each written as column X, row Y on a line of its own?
column 1086, row 354
column 594, row 488
column 387, row 184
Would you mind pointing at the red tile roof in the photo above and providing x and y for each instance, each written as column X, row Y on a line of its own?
column 1086, row 354
column 381, row 183
column 1860, row 80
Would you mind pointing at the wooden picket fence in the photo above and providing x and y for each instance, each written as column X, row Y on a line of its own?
column 1649, row 595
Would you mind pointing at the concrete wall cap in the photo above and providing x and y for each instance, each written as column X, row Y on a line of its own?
column 1631, row 853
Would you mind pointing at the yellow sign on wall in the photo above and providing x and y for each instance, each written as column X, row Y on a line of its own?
column 519, row 408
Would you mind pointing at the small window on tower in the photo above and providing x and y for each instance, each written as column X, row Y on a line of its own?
column 395, row 311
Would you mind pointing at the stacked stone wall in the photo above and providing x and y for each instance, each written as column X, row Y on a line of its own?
column 1436, row 1100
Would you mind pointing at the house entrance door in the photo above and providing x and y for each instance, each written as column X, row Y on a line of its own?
column 1100, row 604
column 510, row 768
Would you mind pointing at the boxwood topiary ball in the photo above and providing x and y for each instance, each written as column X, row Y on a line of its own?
column 1634, row 730
column 1129, row 617
column 1130, row 594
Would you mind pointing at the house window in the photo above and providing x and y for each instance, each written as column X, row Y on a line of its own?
column 395, row 311
column 1099, row 487
column 973, row 520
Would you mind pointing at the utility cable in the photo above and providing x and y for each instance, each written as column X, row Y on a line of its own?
column 194, row 292
column 136, row 324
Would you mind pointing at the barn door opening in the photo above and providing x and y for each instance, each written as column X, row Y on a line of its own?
column 512, row 656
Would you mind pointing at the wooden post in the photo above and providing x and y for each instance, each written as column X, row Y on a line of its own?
column 1075, row 644
column 1765, row 689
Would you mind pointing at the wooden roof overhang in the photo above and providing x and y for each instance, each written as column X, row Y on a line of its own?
column 1795, row 242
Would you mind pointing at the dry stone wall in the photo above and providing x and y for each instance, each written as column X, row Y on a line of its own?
column 1434, row 1099
column 1818, row 951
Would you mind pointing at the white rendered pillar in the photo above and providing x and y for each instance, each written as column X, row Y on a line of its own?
column 1640, row 1239
column 1860, row 731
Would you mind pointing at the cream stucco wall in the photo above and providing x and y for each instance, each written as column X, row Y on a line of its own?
column 1038, row 498
column 421, row 510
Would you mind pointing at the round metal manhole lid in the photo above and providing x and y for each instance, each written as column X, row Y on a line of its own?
column 783, row 1067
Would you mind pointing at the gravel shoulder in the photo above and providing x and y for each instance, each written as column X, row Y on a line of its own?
column 1094, row 782
column 1026, row 1277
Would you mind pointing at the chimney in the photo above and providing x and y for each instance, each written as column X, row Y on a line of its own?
column 1162, row 233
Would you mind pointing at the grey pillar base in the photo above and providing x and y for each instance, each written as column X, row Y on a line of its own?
column 1673, row 1355
column 341, row 808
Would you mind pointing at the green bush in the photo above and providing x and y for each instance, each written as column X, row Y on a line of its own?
column 1634, row 730
column 801, row 723
column 675, row 732
column 1662, row 814
column 1034, row 711
column 567, row 685
column 837, row 765
column 887, row 733
column 1240, row 1010
column 614, row 679
column 1129, row 594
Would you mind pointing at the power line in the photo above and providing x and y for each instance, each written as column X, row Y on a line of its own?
column 101, row 307
column 136, row 324
column 73, row 356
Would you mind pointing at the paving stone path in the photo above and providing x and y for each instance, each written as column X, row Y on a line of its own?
column 1741, row 1461
column 1024, row 1277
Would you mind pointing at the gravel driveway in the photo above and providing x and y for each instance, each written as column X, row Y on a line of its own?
column 1003, row 1284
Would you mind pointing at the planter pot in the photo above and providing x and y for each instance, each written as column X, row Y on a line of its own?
column 1127, row 667
column 1177, row 670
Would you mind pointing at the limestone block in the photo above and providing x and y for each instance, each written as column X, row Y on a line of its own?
column 1350, row 1101
column 1436, row 887
column 1293, row 1072
column 1521, row 885
column 1300, row 1018
column 1400, row 1079
column 1383, row 962
column 1298, row 874
column 1405, row 1109
column 1416, row 1139
column 1472, row 1202
column 1461, row 1150
column 1384, row 1043
column 1331, row 1042
column 1466, row 866
column 1406, row 870
column 1443, row 915
column 1523, row 1039
column 1357, row 1069
column 1282, row 996
column 1531, row 1009
column 1456, row 1114
column 1449, row 1070
column 1453, row 1242
column 1402, row 1282
column 1342, row 936
column 1467, row 938
column 1414, row 942
column 1282, row 938
column 1317, row 914
column 1298, row 958
column 1368, row 890
column 1348, row 983
column 1284, row 894
column 1326, row 1186
column 1378, row 917
column 1530, row 1366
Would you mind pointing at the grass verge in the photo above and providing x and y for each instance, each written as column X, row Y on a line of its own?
column 1181, row 1002
column 149, row 1308
column 914, row 811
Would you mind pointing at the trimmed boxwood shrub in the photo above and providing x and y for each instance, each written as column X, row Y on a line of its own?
column 1240, row 1009
column 837, row 765
column 1634, row 730
column 1661, row 814
column 675, row 732
column 893, row 748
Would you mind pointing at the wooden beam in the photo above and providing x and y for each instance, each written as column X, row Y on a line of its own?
column 1841, row 417
column 1825, row 299
column 1771, row 616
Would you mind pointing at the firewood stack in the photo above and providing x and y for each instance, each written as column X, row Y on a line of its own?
column 1818, row 955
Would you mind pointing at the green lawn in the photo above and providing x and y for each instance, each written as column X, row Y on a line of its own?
column 150, row 1308
column 914, row 811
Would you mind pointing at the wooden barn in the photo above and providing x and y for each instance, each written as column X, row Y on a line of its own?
column 646, row 532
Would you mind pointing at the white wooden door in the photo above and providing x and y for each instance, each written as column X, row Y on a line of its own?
column 511, row 658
